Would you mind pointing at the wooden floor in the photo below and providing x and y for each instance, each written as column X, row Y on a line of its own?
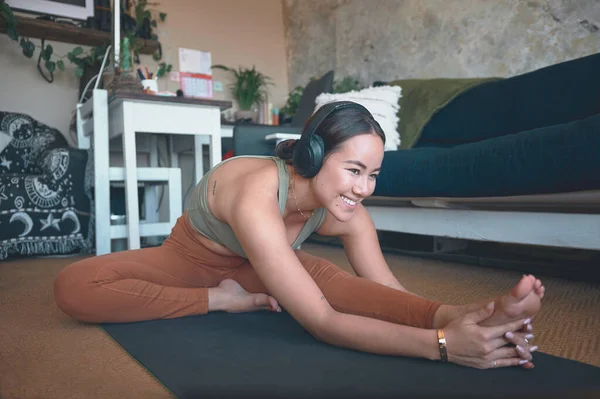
column 44, row 354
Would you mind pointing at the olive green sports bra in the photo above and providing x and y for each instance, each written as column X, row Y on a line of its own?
column 207, row 224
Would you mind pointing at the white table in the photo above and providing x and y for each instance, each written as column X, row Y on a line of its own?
column 125, row 114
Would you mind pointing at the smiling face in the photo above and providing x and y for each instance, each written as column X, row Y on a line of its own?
column 348, row 175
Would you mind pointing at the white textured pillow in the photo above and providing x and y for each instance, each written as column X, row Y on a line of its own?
column 5, row 140
column 381, row 101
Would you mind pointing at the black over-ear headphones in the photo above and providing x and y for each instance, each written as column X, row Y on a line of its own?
column 309, row 151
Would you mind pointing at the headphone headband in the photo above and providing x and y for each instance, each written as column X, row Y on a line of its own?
column 323, row 112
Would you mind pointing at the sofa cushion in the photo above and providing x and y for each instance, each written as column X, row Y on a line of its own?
column 45, row 197
column 381, row 101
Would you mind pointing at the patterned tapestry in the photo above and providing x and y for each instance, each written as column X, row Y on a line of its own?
column 45, row 193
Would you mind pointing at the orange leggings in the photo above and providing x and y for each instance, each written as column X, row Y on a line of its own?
column 173, row 280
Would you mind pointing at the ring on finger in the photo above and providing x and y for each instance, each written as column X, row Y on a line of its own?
column 526, row 342
column 494, row 364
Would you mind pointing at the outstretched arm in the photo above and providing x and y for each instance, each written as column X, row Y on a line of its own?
column 255, row 218
column 362, row 248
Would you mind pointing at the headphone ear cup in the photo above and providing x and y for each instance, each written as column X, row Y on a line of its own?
column 317, row 149
column 301, row 157
column 308, row 156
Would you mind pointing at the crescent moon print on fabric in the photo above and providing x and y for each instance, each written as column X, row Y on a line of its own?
column 40, row 194
column 20, row 127
column 71, row 215
column 26, row 219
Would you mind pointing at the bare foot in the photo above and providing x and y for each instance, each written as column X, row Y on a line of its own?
column 230, row 297
column 523, row 301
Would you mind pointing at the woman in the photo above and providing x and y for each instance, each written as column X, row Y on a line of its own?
column 235, row 249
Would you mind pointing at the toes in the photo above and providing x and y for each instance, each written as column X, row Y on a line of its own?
column 540, row 291
column 266, row 302
column 273, row 305
column 524, row 287
column 528, row 365
column 261, row 300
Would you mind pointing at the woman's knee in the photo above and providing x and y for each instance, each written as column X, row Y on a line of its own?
column 70, row 286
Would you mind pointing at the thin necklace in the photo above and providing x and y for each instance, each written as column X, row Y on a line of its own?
column 295, row 200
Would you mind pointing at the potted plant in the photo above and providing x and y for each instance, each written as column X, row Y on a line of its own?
column 249, row 88
column 289, row 110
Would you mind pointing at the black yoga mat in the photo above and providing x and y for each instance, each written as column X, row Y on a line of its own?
column 267, row 355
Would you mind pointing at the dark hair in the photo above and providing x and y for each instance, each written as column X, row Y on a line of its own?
column 339, row 126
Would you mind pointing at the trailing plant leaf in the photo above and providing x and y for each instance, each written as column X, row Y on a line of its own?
column 79, row 72
column 141, row 13
column 28, row 47
column 47, row 52
column 12, row 33
column 50, row 66
column 10, row 21
column 60, row 64
column 5, row 12
column 77, row 51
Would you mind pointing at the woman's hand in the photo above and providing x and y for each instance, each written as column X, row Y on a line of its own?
column 469, row 344
column 525, row 333
column 521, row 344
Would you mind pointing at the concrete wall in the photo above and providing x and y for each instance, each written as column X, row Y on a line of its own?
column 395, row 39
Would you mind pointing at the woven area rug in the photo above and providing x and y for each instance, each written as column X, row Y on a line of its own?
column 46, row 354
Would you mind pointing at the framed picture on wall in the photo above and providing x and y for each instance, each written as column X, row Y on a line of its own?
column 74, row 9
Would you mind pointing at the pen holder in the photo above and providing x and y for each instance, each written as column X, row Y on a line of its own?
column 150, row 84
